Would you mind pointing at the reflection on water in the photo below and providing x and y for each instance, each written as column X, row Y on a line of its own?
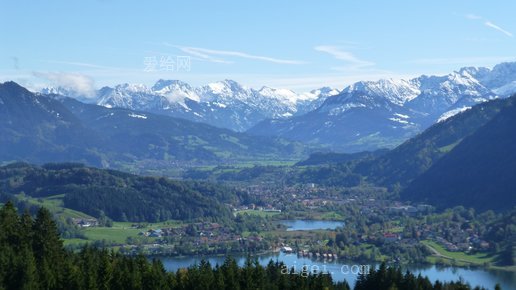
column 343, row 270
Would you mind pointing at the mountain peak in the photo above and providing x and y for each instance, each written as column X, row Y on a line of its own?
column 280, row 94
column 395, row 91
column 226, row 91
column 325, row 91
column 225, row 86
column 161, row 84
column 135, row 88
column 12, row 87
column 476, row 72
column 505, row 67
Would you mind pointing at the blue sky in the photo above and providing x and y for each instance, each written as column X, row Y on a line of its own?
column 300, row 45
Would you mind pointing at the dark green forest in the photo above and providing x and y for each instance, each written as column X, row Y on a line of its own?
column 479, row 172
column 120, row 196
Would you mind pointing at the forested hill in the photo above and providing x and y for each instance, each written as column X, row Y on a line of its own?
column 121, row 196
column 479, row 172
column 416, row 155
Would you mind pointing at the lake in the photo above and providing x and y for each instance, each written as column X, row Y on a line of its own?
column 348, row 270
column 307, row 225
column 341, row 270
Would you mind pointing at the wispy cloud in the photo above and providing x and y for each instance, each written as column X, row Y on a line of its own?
column 473, row 17
column 346, row 56
column 210, row 55
column 489, row 24
column 496, row 27
column 82, row 84
column 80, row 64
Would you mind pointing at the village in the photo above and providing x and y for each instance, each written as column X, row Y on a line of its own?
column 385, row 224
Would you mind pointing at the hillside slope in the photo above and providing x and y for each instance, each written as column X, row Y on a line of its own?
column 120, row 196
column 413, row 157
column 479, row 172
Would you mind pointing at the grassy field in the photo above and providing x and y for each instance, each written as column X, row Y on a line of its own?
column 114, row 234
column 331, row 215
column 118, row 233
column 458, row 257
column 54, row 204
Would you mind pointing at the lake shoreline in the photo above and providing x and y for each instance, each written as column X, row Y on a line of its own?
column 340, row 269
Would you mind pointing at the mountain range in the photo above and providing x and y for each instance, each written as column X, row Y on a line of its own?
column 368, row 115
column 225, row 104
column 51, row 128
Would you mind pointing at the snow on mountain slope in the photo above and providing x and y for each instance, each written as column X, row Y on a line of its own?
column 443, row 93
column 364, row 115
column 452, row 113
column 127, row 96
column 501, row 75
column 368, row 115
column 224, row 104
column 175, row 91
column 395, row 91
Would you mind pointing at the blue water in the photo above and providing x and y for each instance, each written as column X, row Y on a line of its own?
column 348, row 270
column 306, row 225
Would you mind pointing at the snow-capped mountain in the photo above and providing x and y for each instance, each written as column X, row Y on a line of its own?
column 225, row 104
column 364, row 116
column 375, row 114
column 175, row 91
column 69, row 92
column 126, row 96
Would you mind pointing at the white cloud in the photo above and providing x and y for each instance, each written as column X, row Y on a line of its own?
column 82, row 84
column 498, row 28
column 489, row 24
column 343, row 55
column 208, row 54
column 203, row 56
